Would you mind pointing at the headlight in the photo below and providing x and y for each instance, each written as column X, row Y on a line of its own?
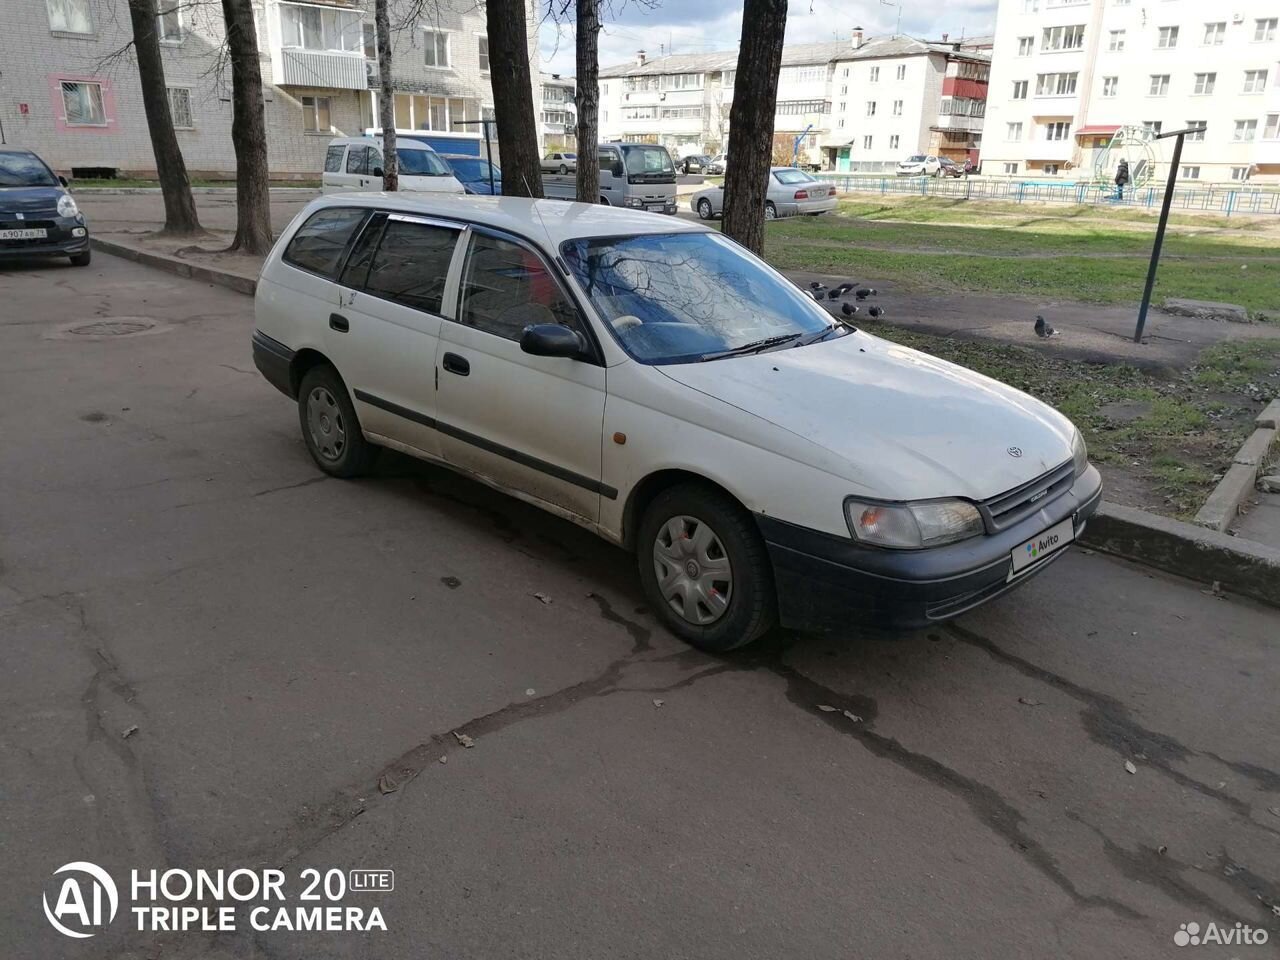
column 67, row 206
column 633, row 202
column 911, row 526
column 1079, row 453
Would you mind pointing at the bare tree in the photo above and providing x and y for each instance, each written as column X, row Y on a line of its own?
column 180, row 217
column 509, row 75
column 387, row 104
column 248, row 130
column 755, row 96
column 588, row 99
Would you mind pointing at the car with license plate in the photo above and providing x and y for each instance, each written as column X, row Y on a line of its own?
column 791, row 192
column 919, row 165
column 38, row 215
column 654, row 382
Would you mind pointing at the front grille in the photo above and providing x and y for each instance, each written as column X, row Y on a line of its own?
column 53, row 235
column 1008, row 508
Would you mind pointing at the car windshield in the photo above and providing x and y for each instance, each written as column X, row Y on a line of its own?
column 792, row 176
column 683, row 297
column 648, row 160
column 472, row 169
column 918, row 158
column 421, row 163
column 24, row 170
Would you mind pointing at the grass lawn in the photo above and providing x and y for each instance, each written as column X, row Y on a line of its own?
column 1161, row 443
column 1072, row 253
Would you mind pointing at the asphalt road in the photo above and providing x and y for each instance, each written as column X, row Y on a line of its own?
column 296, row 654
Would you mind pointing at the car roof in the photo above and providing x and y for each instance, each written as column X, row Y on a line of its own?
column 404, row 138
column 550, row 222
column 19, row 150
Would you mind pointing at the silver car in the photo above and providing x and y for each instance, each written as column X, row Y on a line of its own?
column 791, row 192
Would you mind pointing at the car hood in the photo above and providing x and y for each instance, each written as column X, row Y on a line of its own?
column 21, row 199
column 909, row 426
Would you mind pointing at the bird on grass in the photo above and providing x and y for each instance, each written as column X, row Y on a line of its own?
column 816, row 286
column 863, row 292
column 848, row 309
column 876, row 312
column 1043, row 330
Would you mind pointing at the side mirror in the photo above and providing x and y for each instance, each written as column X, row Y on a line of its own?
column 377, row 171
column 551, row 340
column 63, row 180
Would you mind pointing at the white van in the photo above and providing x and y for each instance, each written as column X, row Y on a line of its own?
column 355, row 163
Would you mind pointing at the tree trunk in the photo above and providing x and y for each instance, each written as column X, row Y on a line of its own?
column 180, row 217
column 248, row 130
column 387, row 102
column 755, row 95
column 513, row 97
column 588, row 100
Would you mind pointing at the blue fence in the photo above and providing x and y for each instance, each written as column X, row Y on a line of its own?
column 1213, row 199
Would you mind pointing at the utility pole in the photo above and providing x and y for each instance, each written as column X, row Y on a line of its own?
column 1164, row 221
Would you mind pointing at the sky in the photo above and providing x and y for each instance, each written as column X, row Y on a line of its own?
column 697, row 26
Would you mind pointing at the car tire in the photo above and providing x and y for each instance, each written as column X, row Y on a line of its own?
column 708, row 548
column 330, row 428
column 704, row 209
column 563, row 169
column 81, row 259
column 770, row 211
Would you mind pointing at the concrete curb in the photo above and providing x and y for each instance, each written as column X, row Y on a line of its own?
column 1223, row 505
column 174, row 265
column 1240, row 566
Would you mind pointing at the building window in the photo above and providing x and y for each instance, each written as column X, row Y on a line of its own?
column 1255, row 81
column 680, row 81
column 1030, row 6
column 897, row 108
column 1189, row 173
column 1020, row 89
column 311, row 28
column 1197, row 128
column 315, row 115
column 1264, row 30
column 1153, row 127
column 1204, row 83
column 169, row 20
column 1052, row 167
column 893, row 142
column 1026, row 46
column 1214, row 33
column 871, row 108
column 1010, row 168
column 844, row 72
column 1272, row 129
column 875, row 74
column 1058, row 130
column 1056, row 84
column 1245, row 130
column 801, row 108
column 1110, row 86
column 1240, row 173
column 844, row 88
column 682, row 113
column 436, row 48
column 1159, row 86
column 1062, row 38
column 902, row 67
column 842, row 106
column 482, row 48
column 1013, row 131
column 370, row 35
column 70, row 16
column 866, row 143
column 840, row 122
column 82, row 103
column 604, row 89
column 1116, row 43
column 180, row 108
column 1167, row 39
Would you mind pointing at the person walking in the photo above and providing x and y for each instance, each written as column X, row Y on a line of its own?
column 1122, row 178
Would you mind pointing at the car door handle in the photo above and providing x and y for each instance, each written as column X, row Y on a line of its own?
column 456, row 364
column 338, row 322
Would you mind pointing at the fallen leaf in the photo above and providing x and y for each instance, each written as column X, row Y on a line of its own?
column 826, row 708
column 444, row 759
column 543, row 597
column 658, row 703
column 463, row 739
column 852, row 716
column 129, row 732
column 1030, row 702
column 1128, row 765
column 530, row 692
column 387, row 784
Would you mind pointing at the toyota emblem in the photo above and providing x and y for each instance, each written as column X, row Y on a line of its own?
column 1014, row 451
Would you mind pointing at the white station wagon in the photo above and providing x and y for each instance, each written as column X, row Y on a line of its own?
column 653, row 381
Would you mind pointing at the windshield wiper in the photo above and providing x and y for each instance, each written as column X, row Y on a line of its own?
column 754, row 346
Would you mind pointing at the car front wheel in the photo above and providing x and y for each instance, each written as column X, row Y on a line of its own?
column 704, row 568
column 770, row 211
column 704, row 208
column 329, row 425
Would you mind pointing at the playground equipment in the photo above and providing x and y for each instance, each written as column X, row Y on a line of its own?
column 1136, row 145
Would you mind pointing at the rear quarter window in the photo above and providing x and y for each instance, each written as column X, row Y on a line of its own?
column 319, row 244
column 333, row 158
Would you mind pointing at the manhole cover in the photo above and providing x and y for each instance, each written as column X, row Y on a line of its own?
column 104, row 328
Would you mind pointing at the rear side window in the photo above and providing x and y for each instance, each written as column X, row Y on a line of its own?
column 320, row 242
column 506, row 288
column 412, row 264
column 358, row 160
column 333, row 158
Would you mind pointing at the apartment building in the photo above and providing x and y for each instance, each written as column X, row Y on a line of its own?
column 842, row 105
column 1069, row 74
column 66, row 94
column 558, row 113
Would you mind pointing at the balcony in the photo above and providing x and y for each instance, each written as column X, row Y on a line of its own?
column 954, row 122
column 326, row 69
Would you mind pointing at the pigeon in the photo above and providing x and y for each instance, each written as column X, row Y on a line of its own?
column 833, row 293
column 815, row 285
column 1043, row 329
column 863, row 292
column 876, row 312
column 846, row 286
column 848, row 309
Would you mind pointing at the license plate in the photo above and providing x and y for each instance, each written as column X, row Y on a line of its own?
column 1040, row 546
column 656, row 206
column 31, row 233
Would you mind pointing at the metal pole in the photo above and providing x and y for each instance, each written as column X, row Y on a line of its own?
column 1164, row 221
column 488, row 155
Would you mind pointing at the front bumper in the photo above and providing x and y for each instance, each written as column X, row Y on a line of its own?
column 59, row 241
column 827, row 583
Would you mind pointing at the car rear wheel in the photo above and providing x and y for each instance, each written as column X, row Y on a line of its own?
column 81, row 259
column 563, row 169
column 770, row 211
column 704, row 209
column 329, row 425
column 704, row 568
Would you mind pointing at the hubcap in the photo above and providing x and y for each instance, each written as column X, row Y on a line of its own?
column 324, row 420
column 693, row 571
column 770, row 213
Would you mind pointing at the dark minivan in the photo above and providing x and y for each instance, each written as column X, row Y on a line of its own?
column 38, row 217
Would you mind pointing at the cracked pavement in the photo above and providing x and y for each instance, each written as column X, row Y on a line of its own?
column 285, row 643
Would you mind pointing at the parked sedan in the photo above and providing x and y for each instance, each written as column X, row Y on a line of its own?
column 763, row 463
column 38, row 217
column 791, row 192
column 919, row 165
column 476, row 174
column 717, row 164
column 949, row 168
column 694, row 163
column 561, row 163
